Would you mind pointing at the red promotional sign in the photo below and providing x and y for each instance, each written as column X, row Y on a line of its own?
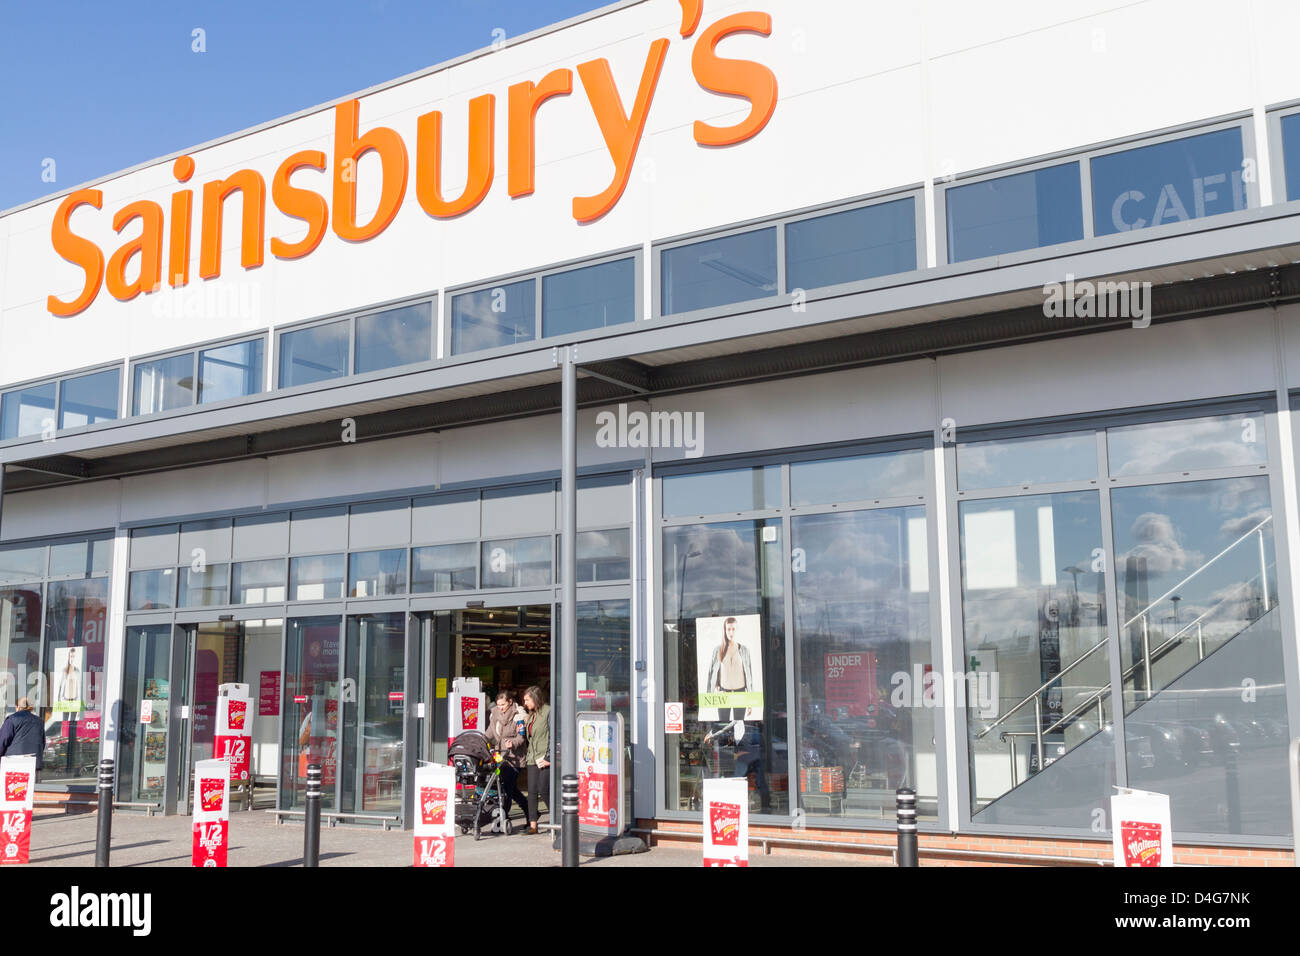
column 1141, row 843
column 724, row 823
column 435, row 851
column 586, row 695
column 268, row 694
column 210, row 840
column 236, row 750
column 469, row 712
column 850, row 683
column 300, row 698
column 211, row 793
column 235, row 713
column 598, row 799
column 396, row 695
column 433, row 805
column 16, row 786
column 15, row 836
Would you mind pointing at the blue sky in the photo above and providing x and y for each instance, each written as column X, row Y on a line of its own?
column 101, row 86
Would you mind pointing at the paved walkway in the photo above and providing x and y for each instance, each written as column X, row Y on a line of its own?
column 257, row 840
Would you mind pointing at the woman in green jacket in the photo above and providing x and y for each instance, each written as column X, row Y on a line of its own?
column 538, row 727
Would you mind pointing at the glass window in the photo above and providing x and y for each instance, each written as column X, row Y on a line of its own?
column 89, row 399
column 20, row 642
column 377, row 573
column 316, row 578
column 1291, row 154
column 604, row 651
column 604, row 555
column 861, row 243
column 231, row 371
column 719, row 271
column 309, row 725
column 1037, row 661
column 862, row 478
column 154, row 546
column 589, row 298
column 27, row 411
column 205, row 541
column 314, row 354
column 489, row 318
column 517, row 562
column 722, row 492
column 207, row 586
column 151, row 590
column 1222, row 441
column 1173, row 181
column 81, row 558
column 1029, row 210
column 163, row 384
column 258, row 582
column 394, row 337
column 724, row 639
column 372, row 724
column 444, row 567
column 22, row 564
column 147, row 676
column 75, row 625
column 862, row 627
column 1038, row 459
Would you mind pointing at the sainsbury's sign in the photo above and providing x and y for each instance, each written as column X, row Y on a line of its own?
column 137, row 265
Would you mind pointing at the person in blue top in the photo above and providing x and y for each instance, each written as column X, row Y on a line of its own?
column 23, row 733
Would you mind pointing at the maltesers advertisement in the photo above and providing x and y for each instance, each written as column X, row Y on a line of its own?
column 211, row 827
column 465, row 707
column 1140, row 824
column 234, row 733
column 729, row 667
column 17, row 792
column 435, row 815
column 726, row 822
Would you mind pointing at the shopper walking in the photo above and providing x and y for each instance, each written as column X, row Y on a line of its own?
column 539, row 752
column 23, row 733
column 504, row 732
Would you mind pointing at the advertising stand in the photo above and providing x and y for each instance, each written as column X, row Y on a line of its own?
column 211, row 826
column 18, row 779
column 234, row 734
column 465, row 707
column 1140, row 826
column 435, row 815
column 726, row 822
column 600, row 774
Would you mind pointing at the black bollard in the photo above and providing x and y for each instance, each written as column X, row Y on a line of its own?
column 907, row 852
column 104, row 825
column 311, row 826
column 569, row 820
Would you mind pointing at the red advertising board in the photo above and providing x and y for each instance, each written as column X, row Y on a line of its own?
column 268, row 694
column 598, row 800
column 435, row 851
column 210, row 841
column 15, row 836
column 850, row 683
column 1142, row 843
column 236, row 750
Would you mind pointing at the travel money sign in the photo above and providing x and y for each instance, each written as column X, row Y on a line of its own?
column 137, row 265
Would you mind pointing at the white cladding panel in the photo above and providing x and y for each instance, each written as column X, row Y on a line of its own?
column 872, row 97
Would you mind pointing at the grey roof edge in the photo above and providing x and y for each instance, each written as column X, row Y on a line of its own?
column 615, row 7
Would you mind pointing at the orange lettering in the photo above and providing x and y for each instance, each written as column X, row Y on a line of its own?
column 252, row 190
column 525, row 98
column 348, row 149
column 301, row 204
column 691, row 11
column 622, row 132
column 743, row 78
column 178, row 263
column 77, row 250
column 428, row 162
column 148, row 245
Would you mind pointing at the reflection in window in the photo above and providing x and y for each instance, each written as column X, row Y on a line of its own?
column 316, row 578
column 22, row 564
column 1023, row 211
column 489, row 318
column 855, row 244
column 89, row 399
column 258, row 582
column 861, row 478
column 1033, row 601
column 395, row 337
column 589, row 298
column 20, row 641
column 722, row 492
column 1291, row 154
column 719, row 271
column 377, row 573
column 604, row 555
column 151, row 590
column 75, row 624
column 1039, row 459
column 314, row 354
column 444, row 567
column 862, row 628
column 27, row 411
column 1174, row 181
column 517, row 562
column 1161, row 447
column 206, row 587
column 231, row 371
column 163, row 384
column 723, row 582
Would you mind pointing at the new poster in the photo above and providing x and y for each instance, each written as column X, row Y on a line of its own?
column 729, row 667
column 66, row 680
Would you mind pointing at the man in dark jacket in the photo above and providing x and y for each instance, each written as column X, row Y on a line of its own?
column 23, row 733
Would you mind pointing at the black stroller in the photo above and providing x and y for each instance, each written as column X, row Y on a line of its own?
column 479, row 805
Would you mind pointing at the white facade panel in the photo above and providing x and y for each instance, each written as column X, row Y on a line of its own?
column 66, row 510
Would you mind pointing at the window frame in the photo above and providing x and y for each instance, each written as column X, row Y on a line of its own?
column 193, row 351
column 57, row 381
column 1276, row 149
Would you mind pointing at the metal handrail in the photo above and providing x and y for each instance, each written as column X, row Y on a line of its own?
column 1035, row 695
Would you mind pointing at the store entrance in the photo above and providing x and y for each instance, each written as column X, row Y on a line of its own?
column 230, row 652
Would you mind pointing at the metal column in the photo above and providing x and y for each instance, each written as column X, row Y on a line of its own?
column 566, row 727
